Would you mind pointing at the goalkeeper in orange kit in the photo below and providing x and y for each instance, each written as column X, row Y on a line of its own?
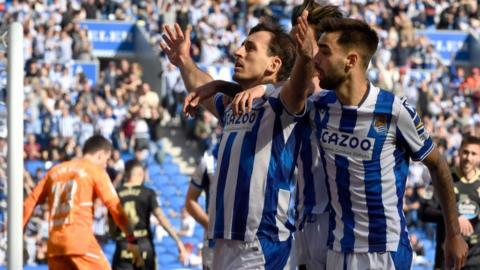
column 70, row 189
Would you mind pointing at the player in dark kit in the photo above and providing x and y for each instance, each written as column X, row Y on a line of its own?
column 466, row 178
column 467, row 191
column 139, row 203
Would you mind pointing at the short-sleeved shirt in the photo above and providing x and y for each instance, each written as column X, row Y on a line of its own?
column 139, row 203
column 366, row 151
column 70, row 189
column 203, row 175
column 468, row 203
column 252, row 192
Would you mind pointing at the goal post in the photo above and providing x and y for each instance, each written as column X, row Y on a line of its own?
column 15, row 97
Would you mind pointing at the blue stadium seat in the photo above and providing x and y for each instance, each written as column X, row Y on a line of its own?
column 175, row 222
column 183, row 188
column 177, row 202
column 168, row 191
column 171, row 168
column 109, row 248
column 175, row 266
column 180, row 179
column 199, row 232
column 160, row 179
column 32, row 165
column 166, row 258
column 38, row 267
column 126, row 155
column 159, row 249
column 154, row 169
column 168, row 159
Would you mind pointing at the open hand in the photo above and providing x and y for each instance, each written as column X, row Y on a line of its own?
column 304, row 37
column 176, row 44
column 242, row 102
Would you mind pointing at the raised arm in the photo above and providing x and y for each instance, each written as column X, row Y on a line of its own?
column 177, row 47
column 295, row 91
column 456, row 248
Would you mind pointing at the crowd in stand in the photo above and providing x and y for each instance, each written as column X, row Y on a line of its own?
column 62, row 109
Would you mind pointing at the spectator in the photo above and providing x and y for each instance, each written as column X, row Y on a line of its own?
column 148, row 101
column 410, row 206
column 65, row 47
column 32, row 148
column 106, row 123
column 82, row 47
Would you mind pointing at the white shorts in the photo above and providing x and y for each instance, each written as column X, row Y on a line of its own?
column 399, row 260
column 259, row 254
column 311, row 242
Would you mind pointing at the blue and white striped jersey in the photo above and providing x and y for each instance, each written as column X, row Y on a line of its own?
column 311, row 192
column 366, row 151
column 251, row 195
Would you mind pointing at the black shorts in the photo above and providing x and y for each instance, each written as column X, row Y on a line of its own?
column 122, row 258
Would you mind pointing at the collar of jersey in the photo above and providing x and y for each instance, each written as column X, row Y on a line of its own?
column 473, row 180
column 362, row 102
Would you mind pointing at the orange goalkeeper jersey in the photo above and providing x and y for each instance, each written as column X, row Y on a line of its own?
column 70, row 189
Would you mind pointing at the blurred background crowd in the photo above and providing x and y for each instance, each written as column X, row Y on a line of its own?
column 62, row 108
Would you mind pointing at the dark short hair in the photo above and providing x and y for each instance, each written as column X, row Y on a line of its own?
column 281, row 45
column 468, row 139
column 316, row 12
column 96, row 143
column 130, row 165
column 354, row 34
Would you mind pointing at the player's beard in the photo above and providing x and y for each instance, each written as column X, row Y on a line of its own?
column 332, row 81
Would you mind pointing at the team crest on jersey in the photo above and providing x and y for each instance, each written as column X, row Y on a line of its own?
column 380, row 124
